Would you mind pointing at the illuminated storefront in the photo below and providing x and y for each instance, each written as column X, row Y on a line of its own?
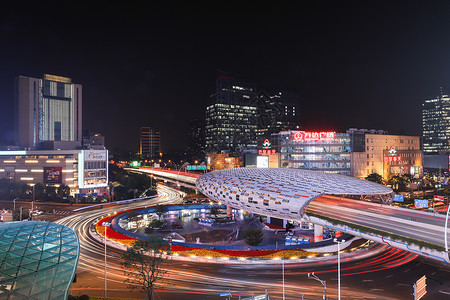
column 84, row 171
column 326, row 151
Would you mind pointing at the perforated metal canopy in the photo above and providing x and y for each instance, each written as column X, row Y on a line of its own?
column 280, row 192
column 37, row 260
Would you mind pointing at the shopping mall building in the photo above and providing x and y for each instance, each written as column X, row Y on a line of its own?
column 357, row 153
column 84, row 171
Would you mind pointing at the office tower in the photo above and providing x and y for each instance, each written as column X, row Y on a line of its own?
column 48, row 111
column 277, row 111
column 231, row 119
column 436, row 124
column 150, row 142
column 196, row 140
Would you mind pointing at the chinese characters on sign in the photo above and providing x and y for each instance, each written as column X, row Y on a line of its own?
column 392, row 156
column 314, row 136
column 420, row 203
column 266, row 151
column 52, row 174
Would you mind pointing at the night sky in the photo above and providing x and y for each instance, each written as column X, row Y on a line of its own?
column 363, row 64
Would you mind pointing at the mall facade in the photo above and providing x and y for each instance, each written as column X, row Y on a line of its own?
column 356, row 153
column 85, row 171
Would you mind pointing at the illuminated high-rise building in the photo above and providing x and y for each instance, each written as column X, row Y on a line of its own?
column 150, row 142
column 48, row 112
column 231, row 119
column 436, row 124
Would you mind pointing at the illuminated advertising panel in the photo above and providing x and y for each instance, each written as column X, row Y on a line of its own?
column 262, row 161
column 52, row 175
column 305, row 136
column 438, row 198
column 392, row 155
column 95, row 155
column 420, row 203
column 398, row 198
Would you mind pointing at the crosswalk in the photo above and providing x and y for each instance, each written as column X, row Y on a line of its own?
column 61, row 212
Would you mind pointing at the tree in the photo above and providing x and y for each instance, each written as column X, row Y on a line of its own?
column 214, row 210
column 253, row 236
column 160, row 210
column 64, row 190
column 398, row 183
column 375, row 177
column 145, row 263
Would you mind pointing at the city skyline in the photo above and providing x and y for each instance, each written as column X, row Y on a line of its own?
column 353, row 65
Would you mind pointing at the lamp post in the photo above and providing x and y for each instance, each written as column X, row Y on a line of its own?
column 445, row 230
column 32, row 201
column 323, row 282
column 282, row 265
column 339, row 265
column 106, row 225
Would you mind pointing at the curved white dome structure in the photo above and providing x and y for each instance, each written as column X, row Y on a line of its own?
column 280, row 192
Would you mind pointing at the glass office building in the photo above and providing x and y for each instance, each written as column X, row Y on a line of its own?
column 321, row 151
column 37, row 260
column 436, row 124
column 47, row 109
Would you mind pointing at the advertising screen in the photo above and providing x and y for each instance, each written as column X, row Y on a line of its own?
column 420, row 203
column 52, row 175
column 398, row 198
column 262, row 162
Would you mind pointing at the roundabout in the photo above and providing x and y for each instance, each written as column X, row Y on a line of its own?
column 187, row 230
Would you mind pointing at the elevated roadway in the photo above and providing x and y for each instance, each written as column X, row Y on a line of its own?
column 178, row 177
column 415, row 231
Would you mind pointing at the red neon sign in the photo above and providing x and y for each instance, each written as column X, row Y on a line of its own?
column 314, row 136
column 266, row 152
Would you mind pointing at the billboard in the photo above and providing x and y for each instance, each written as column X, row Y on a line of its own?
column 95, row 155
column 398, row 198
column 420, row 203
column 52, row 175
column 262, row 161
column 438, row 198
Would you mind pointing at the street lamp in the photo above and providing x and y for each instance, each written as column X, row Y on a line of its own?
column 32, row 201
column 106, row 225
column 282, row 265
column 339, row 265
column 445, row 230
column 323, row 282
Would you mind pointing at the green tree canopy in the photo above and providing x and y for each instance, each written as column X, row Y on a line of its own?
column 375, row 177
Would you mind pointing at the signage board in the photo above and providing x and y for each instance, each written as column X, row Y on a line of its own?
column 262, row 161
column 266, row 151
column 438, row 198
column 95, row 155
column 420, row 288
column 52, row 175
column 420, row 203
column 300, row 136
column 196, row 167
column 398, row 198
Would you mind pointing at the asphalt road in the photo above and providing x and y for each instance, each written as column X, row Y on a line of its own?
column 406, row 223
column 379, row 272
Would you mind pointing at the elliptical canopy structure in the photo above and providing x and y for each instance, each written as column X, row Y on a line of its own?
column 282, row 192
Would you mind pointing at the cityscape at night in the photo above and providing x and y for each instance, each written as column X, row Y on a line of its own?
column 224, row 150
